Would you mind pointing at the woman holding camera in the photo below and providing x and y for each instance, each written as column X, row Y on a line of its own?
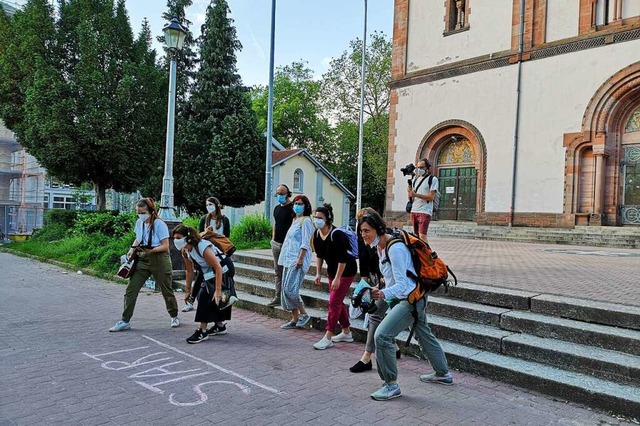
column 395, row 265
column 203, row 256
column 152, row 247
column 214, row 221
column 370, row 272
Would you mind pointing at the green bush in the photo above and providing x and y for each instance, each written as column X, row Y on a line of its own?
column 193, row 221
column 52, row 231
column 107, row 223
column 64, row 217
column 253, row 231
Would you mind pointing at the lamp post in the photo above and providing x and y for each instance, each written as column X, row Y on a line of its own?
column 174, row 35
column 361, row 129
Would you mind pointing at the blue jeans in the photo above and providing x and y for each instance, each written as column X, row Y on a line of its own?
column 397, row 320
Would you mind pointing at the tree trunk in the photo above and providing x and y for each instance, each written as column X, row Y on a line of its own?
column 101, row 196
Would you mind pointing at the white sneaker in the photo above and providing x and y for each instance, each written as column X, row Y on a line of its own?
column 343, row 337
column 187, row 307
column 120, row 326
column 323, row 344
column 175, row 322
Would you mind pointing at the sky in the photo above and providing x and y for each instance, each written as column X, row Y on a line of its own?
column 312, row 30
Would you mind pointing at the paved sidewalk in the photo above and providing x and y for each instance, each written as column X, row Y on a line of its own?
column 59, row 365
column 596, row 273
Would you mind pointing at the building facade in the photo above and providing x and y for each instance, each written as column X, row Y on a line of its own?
column 529, row 113
column 303, row 174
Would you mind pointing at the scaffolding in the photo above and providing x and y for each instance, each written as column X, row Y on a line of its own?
column 22, row 182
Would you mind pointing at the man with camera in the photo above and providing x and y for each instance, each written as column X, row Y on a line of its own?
column 422, row 190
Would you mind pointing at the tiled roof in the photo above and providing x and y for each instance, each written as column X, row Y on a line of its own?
column 277, row 156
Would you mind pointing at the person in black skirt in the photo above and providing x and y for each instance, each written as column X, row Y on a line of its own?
column 217, row 292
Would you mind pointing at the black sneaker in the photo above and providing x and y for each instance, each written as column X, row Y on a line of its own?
column 217, row 330
column 198, row 337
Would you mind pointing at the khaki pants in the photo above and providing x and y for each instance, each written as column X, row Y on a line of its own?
column 158, row 265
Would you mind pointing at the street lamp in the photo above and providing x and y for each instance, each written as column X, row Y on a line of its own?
column 174, row 35
column 267, row 173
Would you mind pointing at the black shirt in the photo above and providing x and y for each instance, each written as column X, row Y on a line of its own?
column 368, row 260
column 226, row 226
column 283, row 216
column 334, row 250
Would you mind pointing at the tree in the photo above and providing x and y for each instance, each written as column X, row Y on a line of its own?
column 84, row 98
column 297, row 111
column 341, row 84
column 222, row 152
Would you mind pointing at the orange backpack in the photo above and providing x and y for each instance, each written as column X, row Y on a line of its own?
column 431, row 271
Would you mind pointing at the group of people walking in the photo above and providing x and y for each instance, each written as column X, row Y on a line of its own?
column 297, row 232
column 208, row 270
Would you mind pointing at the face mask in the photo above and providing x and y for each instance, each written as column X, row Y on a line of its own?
column 211, row 208
column 319, row 223
column 375, row 242
column 144, row 216
column 298, row 209
column 421, row 172
column 282, row 199
column 180, row 243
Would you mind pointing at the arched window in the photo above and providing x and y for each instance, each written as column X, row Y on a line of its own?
column 298, row 177
column 633, row 123
column 458, row 151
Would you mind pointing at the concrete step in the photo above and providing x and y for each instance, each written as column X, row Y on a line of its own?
column 573, row 386
column 602, row 336
column 613, row 314
column 466, row 311
column 487, row 295
column 602, row 363
column 266, row 261
column 605, row 236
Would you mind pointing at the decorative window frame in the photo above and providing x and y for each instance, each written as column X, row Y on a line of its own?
column 453, row 22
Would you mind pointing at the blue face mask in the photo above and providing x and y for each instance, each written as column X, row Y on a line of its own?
column 282, row 199
column 298, row 209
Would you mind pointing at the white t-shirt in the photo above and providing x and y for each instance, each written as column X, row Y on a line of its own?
column 159, row 232
column 198, row 255
column 420, row 205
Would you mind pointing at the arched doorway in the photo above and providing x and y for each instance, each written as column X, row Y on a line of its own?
column 458, row 180
column 630, row 179
column 607, row 153
column 457, row 151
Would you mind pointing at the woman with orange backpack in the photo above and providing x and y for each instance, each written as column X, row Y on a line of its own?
column 396, row 265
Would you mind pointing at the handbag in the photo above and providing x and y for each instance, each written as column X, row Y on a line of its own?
column 223, row 243
column 127, row 269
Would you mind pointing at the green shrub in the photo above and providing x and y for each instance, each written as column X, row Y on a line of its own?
column 253, row 231
column 193, row 221
column 64, row 217
column 52, row 231
column 107, row 223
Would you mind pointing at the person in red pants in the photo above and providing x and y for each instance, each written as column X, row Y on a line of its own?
column 332, row 245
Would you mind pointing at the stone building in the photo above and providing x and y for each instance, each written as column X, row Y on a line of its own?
column 529, row 110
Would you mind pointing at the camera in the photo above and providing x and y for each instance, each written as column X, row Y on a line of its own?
column 408, row 170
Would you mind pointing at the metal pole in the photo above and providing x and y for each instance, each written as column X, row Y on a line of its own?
column 267, row 174
column 167, row 209
column 362, row 92
column 516, row 134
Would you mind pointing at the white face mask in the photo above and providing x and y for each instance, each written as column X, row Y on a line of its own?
column 211, row 208
column 375, row 242
column 421, row 172
column 180, row 243
column 144, row 216
column 320, row 223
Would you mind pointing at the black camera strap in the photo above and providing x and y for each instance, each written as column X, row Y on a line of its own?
column 150, row 233
column 415, row 189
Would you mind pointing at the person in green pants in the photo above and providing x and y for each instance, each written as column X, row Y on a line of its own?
column 152, row 245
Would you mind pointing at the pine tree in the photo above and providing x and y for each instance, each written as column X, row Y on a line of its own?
column 222, row 152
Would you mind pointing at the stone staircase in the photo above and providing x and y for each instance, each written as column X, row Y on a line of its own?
column 599, row 236
column 572, row 349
